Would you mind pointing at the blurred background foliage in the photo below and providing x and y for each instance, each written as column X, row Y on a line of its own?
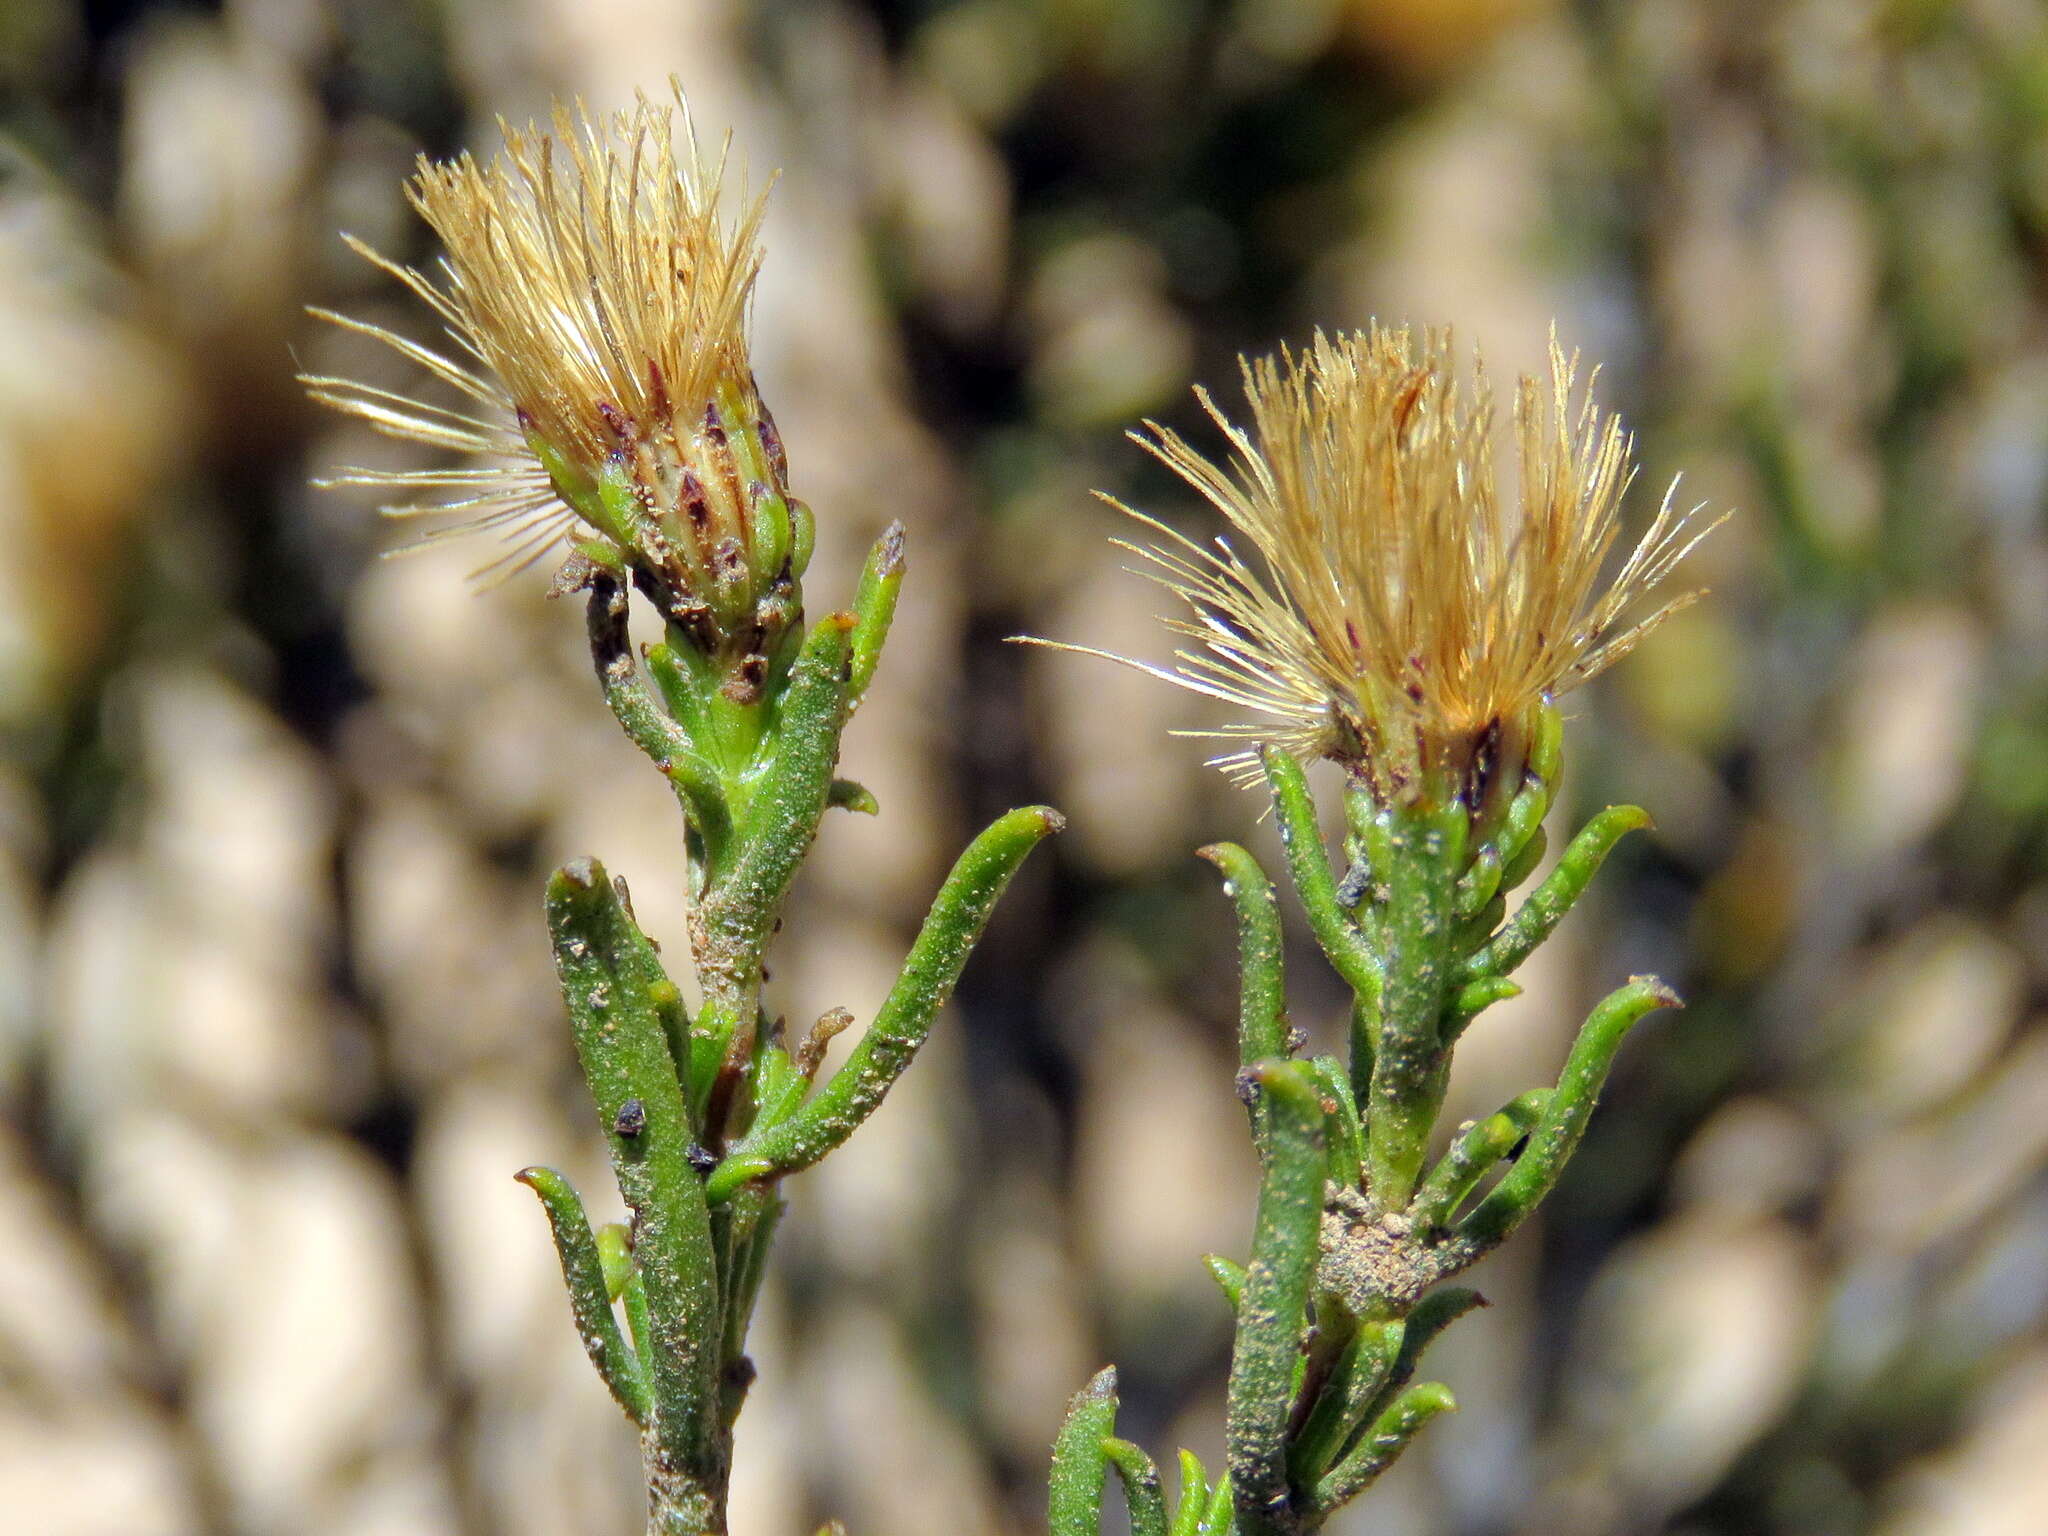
column 276, row 1023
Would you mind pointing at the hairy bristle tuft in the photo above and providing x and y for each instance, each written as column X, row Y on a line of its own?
column 592, row 286
column 1398, row 615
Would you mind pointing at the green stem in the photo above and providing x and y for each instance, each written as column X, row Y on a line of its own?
column 1410, row 1060
column 743, row 903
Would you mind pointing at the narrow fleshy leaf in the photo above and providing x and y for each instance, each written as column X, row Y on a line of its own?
column 639, row 1324
column 957, row 917
column 1556, row 1133
column 1346, row 1131
column 1548, row 903
column 747, row 1222
column 782, row 815
column 615, row 1253
column 1519, row 829
column 1477, row 931
column 589, row 1298
column 1308, row 862
column 1142, row 1494
column 1470, row 1157
column 1478, row 885
column 845, row 795
column 1473, row 999
column 1262, row 988
column 1229, row 1277
column 1524, row 863
column 1220, row 1518
column 1432, row 1315
column 611, row 652
column 1357, row 1381
column 1273, row 1307
column 1080, row 1459
column 1388, row 1438
column 1194, row 1494
column 606, row 968
column 674, row 1014
column 655, row 733
column 874, row 607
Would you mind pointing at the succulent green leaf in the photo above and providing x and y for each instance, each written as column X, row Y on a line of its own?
column 590, row 1298
column 1360, row 1374
column 1432, row 1315
column 615, row 1253
column 1548, row 903
column 782, row 816
column 1473, row 999
column 1080, row 1459
column 1262, row 1013
column 1142, row 1494
column 1346, row 1131
column 1195, row 1493
column 1556, row 1133
column 846, row 795
column 1523, row 864
column 957, row 917
column 1388, row 1438
column 1308, row 862
column 1229, row 1277
column 1481, row 1146
column 1478, row 885
column 1220, row 1518
column 874, row 607
column 606, row 967
column 1273, row 1306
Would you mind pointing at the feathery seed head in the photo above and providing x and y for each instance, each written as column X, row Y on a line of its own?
column 597, row 297
column 1400, row 619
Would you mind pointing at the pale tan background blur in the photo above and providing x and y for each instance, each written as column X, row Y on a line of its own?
column 276, row 1022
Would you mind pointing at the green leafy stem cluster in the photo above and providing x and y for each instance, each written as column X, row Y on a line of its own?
column 705, row 1110
column 1356, row 1226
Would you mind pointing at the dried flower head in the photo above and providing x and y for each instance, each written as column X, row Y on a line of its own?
column 597, row 296
column 1401, row 620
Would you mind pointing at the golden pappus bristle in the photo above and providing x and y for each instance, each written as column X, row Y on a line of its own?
column 1399, row 616
column 597, row 298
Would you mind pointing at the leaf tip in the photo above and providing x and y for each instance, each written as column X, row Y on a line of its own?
column 889, row 557
column 1657, row 992
column 1101, row 1387
column 576, row 877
